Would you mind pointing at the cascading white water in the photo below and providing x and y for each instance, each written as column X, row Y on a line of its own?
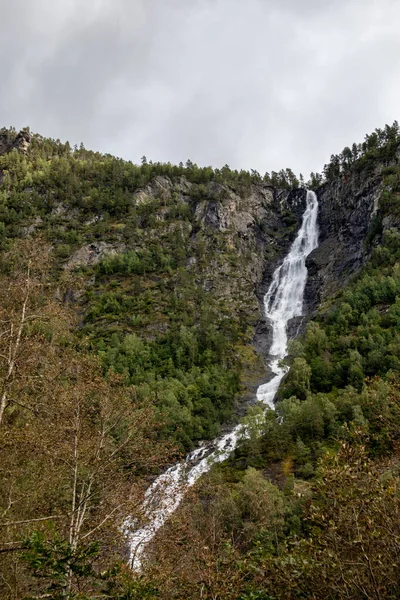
column 283, row 301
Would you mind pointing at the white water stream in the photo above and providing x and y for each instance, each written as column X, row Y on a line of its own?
column 283, row 301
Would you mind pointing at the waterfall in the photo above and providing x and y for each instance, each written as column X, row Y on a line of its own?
column 283, row 301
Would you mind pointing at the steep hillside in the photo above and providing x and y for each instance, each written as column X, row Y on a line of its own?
column 161, row 264
column 309, row 506
column 132, row 329
column 129, row 307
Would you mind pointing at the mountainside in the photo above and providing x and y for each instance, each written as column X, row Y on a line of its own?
column 133, row 329
column 347, row 208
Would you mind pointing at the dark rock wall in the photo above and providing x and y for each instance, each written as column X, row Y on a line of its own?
column 346, row 207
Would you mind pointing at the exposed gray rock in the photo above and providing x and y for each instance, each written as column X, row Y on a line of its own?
column 91, row 254
column 346, row 208
column 59, row 210
column 191, row 262
column 20, row 141
column 159, row 186
column 33, row 226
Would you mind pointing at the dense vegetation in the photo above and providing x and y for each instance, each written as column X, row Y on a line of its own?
column 74, row 445
column 381, row 145
column 309, row 506
column 145, row 314
column 111, row 367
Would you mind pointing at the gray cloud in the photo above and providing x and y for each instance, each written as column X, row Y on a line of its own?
column 259, row 84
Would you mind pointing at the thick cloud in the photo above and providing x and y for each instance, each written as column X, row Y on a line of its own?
column 259, row 84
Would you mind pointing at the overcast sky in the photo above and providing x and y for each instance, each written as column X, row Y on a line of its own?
column 262, row 84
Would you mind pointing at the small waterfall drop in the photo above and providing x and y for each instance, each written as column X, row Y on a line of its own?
column 283, row 301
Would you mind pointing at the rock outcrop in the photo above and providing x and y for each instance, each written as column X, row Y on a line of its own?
column 91, row 254
column 246, row 233
column 20, row 141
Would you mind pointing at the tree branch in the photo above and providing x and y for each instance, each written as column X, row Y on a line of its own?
column 9, row 523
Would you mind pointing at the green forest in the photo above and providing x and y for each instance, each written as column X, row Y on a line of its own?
column 117, row 360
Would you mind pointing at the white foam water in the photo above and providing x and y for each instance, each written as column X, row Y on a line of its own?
column 283, row 301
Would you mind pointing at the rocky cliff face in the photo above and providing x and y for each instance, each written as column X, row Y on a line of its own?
column 20, row 141
column 244, row 235
column 346, row 208
column 257, row 228
column 234, row 239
